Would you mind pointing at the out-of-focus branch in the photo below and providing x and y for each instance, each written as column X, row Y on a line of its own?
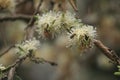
column 107, row 51
column 22, row 2
column 17, row 17
column 42, row 60
column 73, row 4
column 21, row 59
column 16, row 63
column 6, row 51
column 31, row 22
column 12, row 68
column 11, row 73
column 29, row 28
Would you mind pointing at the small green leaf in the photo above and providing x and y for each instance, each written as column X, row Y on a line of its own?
column 117, row 73
column 36, row 17
column 21, row 49
column 118, row 66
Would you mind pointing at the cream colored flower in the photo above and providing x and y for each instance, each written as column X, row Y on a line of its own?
column 27, row 45
column 45, row 23
column 52, row 24
column 82, row 37
column 2, row 67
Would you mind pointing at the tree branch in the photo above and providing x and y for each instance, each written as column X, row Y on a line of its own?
column 31, row 22
column 73, row 4
column 11, row 73
column 29, row 28
column 14, row 18
column 22, row 2
column 107, row 51
column 21, row 59
column 16, row 63
column 6, row 51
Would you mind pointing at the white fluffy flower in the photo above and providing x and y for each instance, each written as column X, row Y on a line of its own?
column 53, row 23
column 2, row 67
column 85, row 30
column 27, row 45
column 82, row 37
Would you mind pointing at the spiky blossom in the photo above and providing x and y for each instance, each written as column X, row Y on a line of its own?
column 52, row 24
column 27, row 46
column 82, row 37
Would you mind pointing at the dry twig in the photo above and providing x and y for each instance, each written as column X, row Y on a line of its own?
column 11, row 73
column 22, row 2
column 73, row 4
column 107, row 51
column 29, row 28
column 14, row 18
column 31, row 22
column 6, row 51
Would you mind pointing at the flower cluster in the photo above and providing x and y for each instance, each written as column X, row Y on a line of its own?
column 26, row 46
column 2, row 67
column 65, row 25
column 82, row 37
column 53, row 23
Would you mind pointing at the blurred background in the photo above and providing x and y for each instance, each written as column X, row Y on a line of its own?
column 93, row 65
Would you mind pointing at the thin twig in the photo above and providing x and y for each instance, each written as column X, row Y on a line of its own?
column 107, row 51
column 29, row 28
column 41, row 60
column 11, row 73
column 16, row 63
column 12, row 68
column 21, row 59
column 6, row 51
column 14, row 18
column 32, row 18
column 49, row 62
column 73, row 4
column 22, row 2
